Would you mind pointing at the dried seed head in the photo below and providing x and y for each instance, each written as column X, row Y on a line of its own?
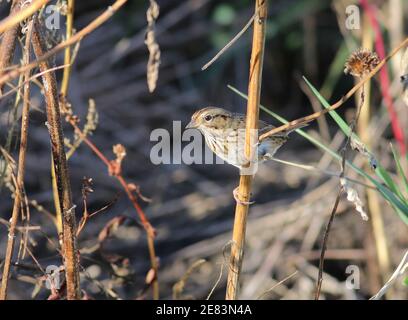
column 361, row 62
column 120, row 152
column 86, row 186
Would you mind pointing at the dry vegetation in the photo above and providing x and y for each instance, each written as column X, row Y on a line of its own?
column 78, row 190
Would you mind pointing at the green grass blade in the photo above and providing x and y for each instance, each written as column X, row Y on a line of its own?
column 399, row 167
column 339, row 120
column 384, row 175
column 400, row 207
column 380, row 171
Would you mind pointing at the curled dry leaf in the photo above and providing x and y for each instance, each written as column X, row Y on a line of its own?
column 360, row 147
column 115, row 167
column 178, row 287
column 353, row 197
column 150, row 276
column 136, row 189
column 65, row 106
column 121, row 267
column 110, row 227
column 86, row 296
column 154, row 51
column 86, row 186
column 92, row 117
column 120, row 152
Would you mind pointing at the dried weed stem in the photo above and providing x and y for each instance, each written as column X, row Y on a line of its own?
column 254, row 92
column 18, row 197
column 71, row 259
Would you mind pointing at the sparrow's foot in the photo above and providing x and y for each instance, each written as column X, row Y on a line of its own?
column 237, row 198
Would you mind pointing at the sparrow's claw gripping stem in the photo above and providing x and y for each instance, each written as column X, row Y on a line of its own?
column 236, row 197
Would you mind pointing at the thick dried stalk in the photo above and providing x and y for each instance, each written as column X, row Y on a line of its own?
column 8, row 43
column 67, row 53
column 15, row 19
column 61, row 169
column 18, row 197
column 254, row 92
column 64, row 92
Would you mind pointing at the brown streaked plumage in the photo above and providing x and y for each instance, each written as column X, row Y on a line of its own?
column 224, row 133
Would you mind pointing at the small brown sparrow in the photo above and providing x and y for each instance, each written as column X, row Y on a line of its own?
column 224, row 133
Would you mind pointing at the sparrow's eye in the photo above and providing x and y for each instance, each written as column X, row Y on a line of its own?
column 207, row 118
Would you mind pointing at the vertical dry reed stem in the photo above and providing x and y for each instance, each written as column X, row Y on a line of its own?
column 61, row 169
column 8, row 43
column 18, row 197
column 373, row 202
column 254, row 92
column 64, row 92
column 67, row 53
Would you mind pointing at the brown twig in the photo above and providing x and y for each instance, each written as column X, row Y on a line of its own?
column 12, row 74
column 32, row 78
column 64, row 91
column 20, row 172
column 314, row 102
column 340, row 102
column 150, row 231
column 230, row 43
column 277, row 284
column 61, row 169
column 8, row 43
column 324, row 245
column 19, row 16
column 178, row 287
column 254, row 92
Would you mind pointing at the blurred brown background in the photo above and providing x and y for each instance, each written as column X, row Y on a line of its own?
column 192, row 206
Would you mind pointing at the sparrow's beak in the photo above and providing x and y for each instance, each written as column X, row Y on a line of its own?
column 191, row 125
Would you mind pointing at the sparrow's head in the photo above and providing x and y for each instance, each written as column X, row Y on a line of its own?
column 210, row 118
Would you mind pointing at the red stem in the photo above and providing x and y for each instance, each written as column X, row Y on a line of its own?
column 384, row 78
column 145, row 222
